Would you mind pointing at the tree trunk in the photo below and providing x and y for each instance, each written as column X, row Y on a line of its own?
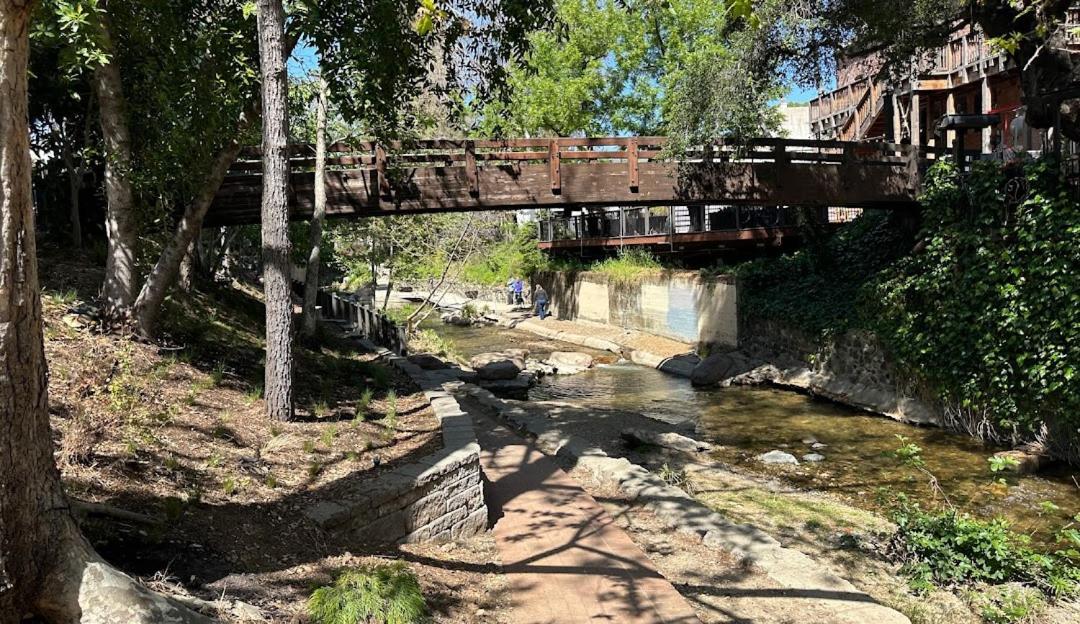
column 74, row 184
column 147, row 309
column 120, row 225
column 187, row 268
column 46, row 567
column 275, row 210
column 389, row 276
column 311, row 280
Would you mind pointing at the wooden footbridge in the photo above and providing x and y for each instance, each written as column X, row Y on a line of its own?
column 368, row 179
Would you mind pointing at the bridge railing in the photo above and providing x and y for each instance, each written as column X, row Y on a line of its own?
column 365, row 320
column 642, row 222
column 472, row 154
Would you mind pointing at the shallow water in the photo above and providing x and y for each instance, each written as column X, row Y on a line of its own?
column 746, row 421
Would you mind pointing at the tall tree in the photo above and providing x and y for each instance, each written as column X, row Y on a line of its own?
column 311, row 279
column 121, row 275
column 47, row 568
column 615, row 66
column 277, row 271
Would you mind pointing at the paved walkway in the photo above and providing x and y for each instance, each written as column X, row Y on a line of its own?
column 565, row 559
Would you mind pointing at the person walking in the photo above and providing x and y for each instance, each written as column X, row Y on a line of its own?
column 518, row 288
column 510, row 290
column 540, row 298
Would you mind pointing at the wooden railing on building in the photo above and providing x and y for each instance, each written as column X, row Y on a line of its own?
column 364, row 320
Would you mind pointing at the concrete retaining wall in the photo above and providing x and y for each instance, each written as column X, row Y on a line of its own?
column 438, row 498
column 676, row 304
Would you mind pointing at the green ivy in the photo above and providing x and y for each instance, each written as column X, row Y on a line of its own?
column 817, row 289
column 989, row 312
column 986, row 311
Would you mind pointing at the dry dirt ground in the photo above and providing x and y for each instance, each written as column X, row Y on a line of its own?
column 176, row 434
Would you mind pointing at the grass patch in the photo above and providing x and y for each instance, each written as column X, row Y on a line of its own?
column 630, row 264
column 387, row 593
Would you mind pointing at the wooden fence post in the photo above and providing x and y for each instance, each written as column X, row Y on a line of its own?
column 471, row 172
column 632, row 162
column 380, row 171
column 554, row 167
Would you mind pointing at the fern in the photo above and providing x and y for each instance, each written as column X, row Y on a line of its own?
column 380, row 594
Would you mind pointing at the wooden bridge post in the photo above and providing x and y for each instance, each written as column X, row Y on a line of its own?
column 380, row 171
column 632, row 162
column 470, row 168
column 780, row 154
column 554, row 167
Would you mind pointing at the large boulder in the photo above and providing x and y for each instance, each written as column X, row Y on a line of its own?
column 570, row 360
column 493, row 366
column 427, row 361
column 669, row 440
column 718, row 367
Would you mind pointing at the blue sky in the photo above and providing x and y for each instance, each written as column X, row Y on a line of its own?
column 801, row 94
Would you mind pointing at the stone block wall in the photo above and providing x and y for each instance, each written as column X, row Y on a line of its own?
column 852, row 368
column 675, row 304
column 438, row 498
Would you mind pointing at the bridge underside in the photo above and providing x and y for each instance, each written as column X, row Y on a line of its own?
column 790, row 173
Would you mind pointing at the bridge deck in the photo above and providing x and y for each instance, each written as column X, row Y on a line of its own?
column 367, row 179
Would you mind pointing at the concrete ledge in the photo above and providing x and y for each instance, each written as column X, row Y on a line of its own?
column 792, row 569
column 437, row 498
column 681, row 365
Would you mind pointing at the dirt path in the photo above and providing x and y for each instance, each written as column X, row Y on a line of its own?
column 564, row 558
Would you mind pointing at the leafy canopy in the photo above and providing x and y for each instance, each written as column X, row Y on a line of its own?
column 635, row 66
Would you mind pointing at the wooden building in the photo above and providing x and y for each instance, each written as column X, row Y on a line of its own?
column 963, row 76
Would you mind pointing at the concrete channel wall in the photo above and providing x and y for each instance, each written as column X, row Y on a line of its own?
column 675, row 304
column 438, row 498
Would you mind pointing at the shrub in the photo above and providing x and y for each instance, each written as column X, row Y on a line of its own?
column 429, row 341
column 950, row 548
column 631, row 263
column 379, row 594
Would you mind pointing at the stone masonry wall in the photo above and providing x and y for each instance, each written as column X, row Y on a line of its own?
column 675, row 304
column 851, row 368
column 438, row 498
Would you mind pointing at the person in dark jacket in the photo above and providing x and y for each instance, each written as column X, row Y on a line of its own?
column 540, row 298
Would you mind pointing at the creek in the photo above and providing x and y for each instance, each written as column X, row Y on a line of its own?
column 746, row 421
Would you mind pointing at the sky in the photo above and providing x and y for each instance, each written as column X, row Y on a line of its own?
column 801, row 94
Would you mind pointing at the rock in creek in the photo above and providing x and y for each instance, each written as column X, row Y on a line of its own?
column 667, row 440
column 427, row 361
column 718, row 367
column 520, row 354
column 1024, row 460
column 813, row 457
column 451, row 318
column 777, row 457
column 570, row 360
column 495, row 366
